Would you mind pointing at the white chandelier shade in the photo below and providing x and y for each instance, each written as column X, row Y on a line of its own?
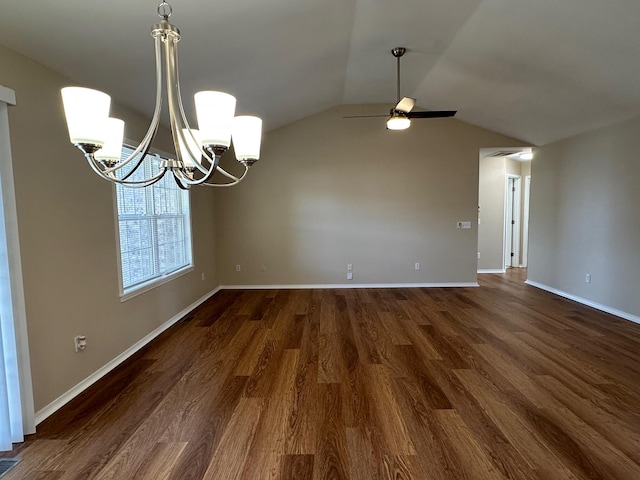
column 86, row 111
column 215, row 111
column 113, row 131
column 246, row 137
column 198, row 151
column 190, row 145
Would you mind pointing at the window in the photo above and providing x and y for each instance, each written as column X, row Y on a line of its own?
column 154, row 230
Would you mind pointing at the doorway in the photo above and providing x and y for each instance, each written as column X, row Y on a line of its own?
column 503, row 197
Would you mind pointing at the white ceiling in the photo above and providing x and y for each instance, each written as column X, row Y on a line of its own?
column 537, row 70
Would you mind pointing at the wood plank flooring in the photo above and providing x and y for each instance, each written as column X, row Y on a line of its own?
column 499, row 382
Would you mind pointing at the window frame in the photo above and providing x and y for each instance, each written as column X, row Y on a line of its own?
column 152, row 283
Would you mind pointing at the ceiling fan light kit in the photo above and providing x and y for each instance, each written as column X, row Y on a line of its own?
column 198, row 152
column 398, row 122
column 400, row 116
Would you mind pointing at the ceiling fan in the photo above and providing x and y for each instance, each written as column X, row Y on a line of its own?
column 401, row 114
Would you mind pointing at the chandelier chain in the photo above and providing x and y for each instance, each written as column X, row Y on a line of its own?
column 165, row 10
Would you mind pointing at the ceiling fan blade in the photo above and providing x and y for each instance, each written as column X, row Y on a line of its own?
column 434, row 114
column 365, row 116
column 405, row 105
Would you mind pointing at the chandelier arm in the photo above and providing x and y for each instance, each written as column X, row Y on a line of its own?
column 95, row 165
column 176, row 110
column 200, row 181
column 174, row 135
column 145, row 144
column 203, row 181
column 230, row 184
column 143, row 183
column 176, row 128
column 180, row 135
column 189, row 181
column 137, row 165
column 208, row 172
column 181, row 185
column 203, row 153
column 232, row 177
column 183, row 180
column 173, row 75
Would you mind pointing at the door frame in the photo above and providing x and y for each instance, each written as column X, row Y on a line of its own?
column 512, row 199
column 525, row 221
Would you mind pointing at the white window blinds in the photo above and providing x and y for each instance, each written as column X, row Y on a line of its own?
column 154, row 228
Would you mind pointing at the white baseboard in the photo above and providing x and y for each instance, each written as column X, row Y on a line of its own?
column 490, row 270
column 349, row 285
column 584, row 301
column 93, row 378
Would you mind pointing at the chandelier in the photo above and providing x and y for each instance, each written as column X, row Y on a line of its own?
column 198, row 152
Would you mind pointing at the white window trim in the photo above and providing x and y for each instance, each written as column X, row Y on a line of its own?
column 139, row 289
column 151, row 284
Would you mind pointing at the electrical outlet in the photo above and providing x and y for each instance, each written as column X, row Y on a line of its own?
column 478, row 255
column 349, row 276
column 237, row 268
column 587, row 278
column 263, row 268
column 80, row 342
column 416, row 266
column 464, row 225
column 203, row 276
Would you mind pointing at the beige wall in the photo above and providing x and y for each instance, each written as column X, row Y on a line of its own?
column 585, row 216
column 491, row 197
column 68, row 241
column 331, row 191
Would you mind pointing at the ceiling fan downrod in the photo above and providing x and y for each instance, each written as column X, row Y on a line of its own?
column 398, row 52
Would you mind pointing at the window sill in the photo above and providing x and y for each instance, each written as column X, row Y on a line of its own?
column 151, row 284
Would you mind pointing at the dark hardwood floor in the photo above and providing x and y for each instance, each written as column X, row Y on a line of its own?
column 499, row 382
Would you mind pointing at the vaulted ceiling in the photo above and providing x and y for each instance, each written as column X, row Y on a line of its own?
column 537, row 70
